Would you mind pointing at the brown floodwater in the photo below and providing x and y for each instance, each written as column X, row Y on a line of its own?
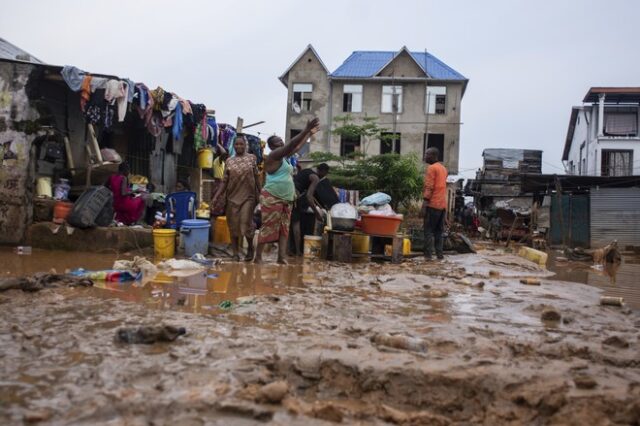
column 619, row 280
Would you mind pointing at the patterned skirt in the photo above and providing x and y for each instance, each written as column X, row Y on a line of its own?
column 276, row 217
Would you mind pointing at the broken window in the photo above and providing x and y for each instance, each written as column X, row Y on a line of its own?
column 302, row 97
column 617, row 162
column 352, row 98
column 390, row 143
column 349, row 144
column 392, row 99
column 436, row 99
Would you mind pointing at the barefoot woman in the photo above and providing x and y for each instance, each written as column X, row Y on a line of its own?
column 279, row 192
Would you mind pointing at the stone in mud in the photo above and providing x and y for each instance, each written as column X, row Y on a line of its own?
column 530, row 281
column 328, row 412
column 584, row 382
column 36, row 416
column 550, row 314
column 493, row 273
column 273, row 392
column 436, row 293
column 616, row 342
column 479, row 284
column 400, row 342
column 149, row 334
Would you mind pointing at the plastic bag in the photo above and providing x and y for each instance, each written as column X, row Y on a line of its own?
column 377, row 199
column 344, row 211
column 385, row 210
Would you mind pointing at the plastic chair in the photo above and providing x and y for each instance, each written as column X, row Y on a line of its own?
column 180, row 206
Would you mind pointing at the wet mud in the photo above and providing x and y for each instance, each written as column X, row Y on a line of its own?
column 324, row 343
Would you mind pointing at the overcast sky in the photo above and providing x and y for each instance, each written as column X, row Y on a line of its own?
column 528, row 61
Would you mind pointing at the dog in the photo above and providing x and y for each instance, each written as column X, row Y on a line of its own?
column 606, row 254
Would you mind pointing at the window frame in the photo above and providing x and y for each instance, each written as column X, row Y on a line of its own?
column 605, row 153
column 394, row 87
column 344, row 141
column 305, row 102
column 396, row 143
column 431, row 90
column 353, row 90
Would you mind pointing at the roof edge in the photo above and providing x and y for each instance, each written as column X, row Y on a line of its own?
column 395, row 55
column 570, row 132
column 283, row 77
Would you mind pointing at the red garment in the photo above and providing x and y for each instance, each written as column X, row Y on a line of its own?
column 435, row 186
column 128, row 209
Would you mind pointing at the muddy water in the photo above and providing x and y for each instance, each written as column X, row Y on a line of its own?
column 619, row 280
column 418, row 343
column 44, row 260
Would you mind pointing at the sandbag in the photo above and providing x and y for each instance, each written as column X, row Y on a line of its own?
column 89, row 206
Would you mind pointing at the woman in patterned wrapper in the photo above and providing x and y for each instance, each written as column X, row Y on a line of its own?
column 241, row 188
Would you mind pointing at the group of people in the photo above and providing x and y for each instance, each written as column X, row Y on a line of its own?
column 238, row 191
column 241, row 191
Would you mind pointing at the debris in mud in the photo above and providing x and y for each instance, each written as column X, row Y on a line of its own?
column 493, row 273
column 36, row 416
column 584, row 382
column 149, row 334
column 550, row 314
column 246, row 300
column 400, row 342
column 530, row 281
column 616, row 342
column 137, row 265
column 611, row 301
column 437, row 293
column 225, row 304
column 41, row 281
column 273, row 392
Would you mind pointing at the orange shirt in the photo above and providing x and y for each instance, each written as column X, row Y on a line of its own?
column 435, row 186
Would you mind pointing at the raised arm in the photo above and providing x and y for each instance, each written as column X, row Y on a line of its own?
column 314, row 179
column 296, row 142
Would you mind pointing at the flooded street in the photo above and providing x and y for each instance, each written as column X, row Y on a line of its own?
column 454, row 342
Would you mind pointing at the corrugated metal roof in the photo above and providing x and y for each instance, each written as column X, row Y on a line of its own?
column 363, row 64
column 615, row 214
column 14, row 53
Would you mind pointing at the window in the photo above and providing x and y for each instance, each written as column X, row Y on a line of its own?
column 302, row 97
column 352, row 98
column 620, row 123
column 582, row 162
column 305, row 148
column 349, row 145
column 433, row 140
column 572, row 168
column 392, row 99
column 390, row 142
column 617, row 162
column 436, row 99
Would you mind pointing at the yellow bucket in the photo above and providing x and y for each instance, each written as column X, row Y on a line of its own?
column 164, row 243
column 312, row 246
column 43, row 187
column 205, row 158
column 221, row 233
column 360, row 243
column 406, row 248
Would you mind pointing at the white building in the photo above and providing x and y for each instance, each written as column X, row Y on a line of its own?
column 603, row 139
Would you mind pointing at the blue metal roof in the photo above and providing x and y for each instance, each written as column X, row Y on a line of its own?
column 363, row 64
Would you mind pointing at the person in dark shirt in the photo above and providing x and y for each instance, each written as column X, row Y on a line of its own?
column 306, row 182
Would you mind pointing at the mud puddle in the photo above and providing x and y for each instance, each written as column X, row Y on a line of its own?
column 323, row 343
column 619, row 280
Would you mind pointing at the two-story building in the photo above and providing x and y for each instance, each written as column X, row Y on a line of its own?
column 415, row 97
column 603, row 139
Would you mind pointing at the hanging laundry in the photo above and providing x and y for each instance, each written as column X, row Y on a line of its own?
column 73, row 77
column 85, row 94
column 131, row 89
column 213, row 134
column 158, row 96
column 177, row 122
column 198, row 141
column 98, row 83
column 117, row 92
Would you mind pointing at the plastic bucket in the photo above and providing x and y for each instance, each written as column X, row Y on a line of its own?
column 312, row 246
column 205, row 158
column 43, row 187
column 195, row 234
column 360, row 243
column 221, row 233
column 61, row 211
column 164, row 243
column 380, row 225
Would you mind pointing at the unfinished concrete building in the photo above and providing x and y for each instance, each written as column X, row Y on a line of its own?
column 415, row 96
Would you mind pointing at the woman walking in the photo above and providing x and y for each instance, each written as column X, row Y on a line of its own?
column 279, row 191
column 240, row 188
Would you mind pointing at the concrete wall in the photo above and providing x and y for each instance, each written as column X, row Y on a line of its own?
column 17, row 124
column 402, row 66
column 308, row 69
column 586, row 130
column 412, row 123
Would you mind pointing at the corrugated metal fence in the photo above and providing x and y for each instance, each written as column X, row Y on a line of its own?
column 615, row 215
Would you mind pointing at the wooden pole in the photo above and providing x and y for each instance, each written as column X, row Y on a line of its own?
column 239, row 124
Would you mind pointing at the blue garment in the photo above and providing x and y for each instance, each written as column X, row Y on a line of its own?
column 177, row 122
column 213, row 135
column 73, row 77
column 131, row 86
